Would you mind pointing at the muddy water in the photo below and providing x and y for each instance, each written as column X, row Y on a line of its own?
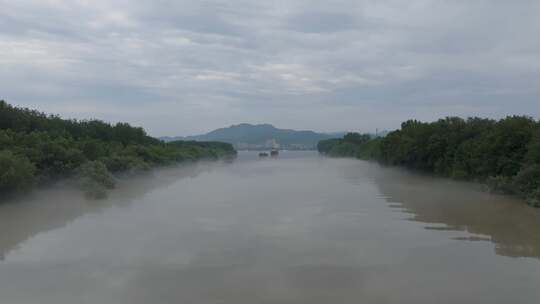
column 297, row 229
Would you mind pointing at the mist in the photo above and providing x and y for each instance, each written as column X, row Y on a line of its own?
column 297, row 228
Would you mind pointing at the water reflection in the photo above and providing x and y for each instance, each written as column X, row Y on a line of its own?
column 298, row 229
column 48, row 209
column 506, row 221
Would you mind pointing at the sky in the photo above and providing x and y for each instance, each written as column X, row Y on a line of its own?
column 180, row 67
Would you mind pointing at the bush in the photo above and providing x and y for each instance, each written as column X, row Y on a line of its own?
column 346, row 149
column 324, row 146
column 533, row 150
column 125, row 163
column 533, row 198
column 95, row 179
column 500, row 184
column 457, row 172
column 16, row 172
column 528, row 179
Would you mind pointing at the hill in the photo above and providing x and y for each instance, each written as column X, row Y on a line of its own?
column 262, row 136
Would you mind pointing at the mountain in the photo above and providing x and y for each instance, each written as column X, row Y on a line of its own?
column 262, row 136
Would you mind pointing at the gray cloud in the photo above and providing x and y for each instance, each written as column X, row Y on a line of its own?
column 321, row 22
column 184, row 67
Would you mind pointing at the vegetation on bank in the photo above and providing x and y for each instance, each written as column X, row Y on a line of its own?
column 36, row 149
column 504, row 154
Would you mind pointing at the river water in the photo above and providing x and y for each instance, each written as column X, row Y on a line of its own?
column 297, row 229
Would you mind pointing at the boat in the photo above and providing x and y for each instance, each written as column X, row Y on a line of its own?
column 263, row 154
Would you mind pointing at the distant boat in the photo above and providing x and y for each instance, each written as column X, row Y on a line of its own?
column 263, row 154
column 274, row 152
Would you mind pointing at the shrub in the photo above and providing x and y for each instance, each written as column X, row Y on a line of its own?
column 533, row 198
column 346, row 149
column 458, row 172
column 533, row 150
column 95, row 179
column 528, row 179
column 125, row 163
column 500, row 184
column 16, row 172
column 324, row 146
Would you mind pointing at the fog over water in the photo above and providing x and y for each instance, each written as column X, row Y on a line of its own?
column 297, row 229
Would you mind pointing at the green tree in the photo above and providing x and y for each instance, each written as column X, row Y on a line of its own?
column 16, row 172
column 95, row 179
column 505, row 154
column 46, row 148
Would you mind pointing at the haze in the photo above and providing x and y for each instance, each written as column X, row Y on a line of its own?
column 295, row 229
column 187, row 67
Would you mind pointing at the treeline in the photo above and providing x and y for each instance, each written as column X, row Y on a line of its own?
column 504, row 154
column 36, row 148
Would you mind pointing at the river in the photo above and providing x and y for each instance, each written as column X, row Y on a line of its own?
column 297, row 229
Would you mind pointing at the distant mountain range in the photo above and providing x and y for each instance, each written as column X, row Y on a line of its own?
column 261, row 137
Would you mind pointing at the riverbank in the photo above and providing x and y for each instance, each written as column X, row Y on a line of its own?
column 503, row 154
column 38, row 149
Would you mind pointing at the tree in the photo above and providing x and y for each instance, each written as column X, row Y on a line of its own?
column 533, row 150
column 16, row 172
column 36, row 148
column 505, row 154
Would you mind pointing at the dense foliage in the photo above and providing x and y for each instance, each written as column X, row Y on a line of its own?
column 505, row 153
column 36, row 148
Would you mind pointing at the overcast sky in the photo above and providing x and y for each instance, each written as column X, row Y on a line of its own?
column 186, row 67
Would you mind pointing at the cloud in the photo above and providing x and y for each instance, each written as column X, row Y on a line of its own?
column 184, row 67
column 322, row 22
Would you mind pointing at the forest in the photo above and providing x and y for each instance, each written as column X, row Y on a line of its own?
column 39, row 149
column 503, row 154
